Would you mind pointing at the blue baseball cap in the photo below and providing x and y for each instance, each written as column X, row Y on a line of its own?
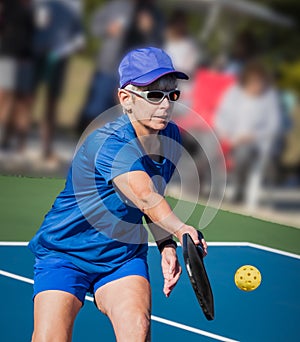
column 141, row 67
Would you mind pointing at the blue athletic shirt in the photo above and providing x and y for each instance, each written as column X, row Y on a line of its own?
column 91, row 223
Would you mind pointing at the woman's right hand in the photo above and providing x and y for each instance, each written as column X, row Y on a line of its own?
column 194, row 235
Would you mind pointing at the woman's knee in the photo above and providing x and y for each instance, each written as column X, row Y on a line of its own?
column 52, row 332
column 48, row 336
column 143, row 322
column 134, row 323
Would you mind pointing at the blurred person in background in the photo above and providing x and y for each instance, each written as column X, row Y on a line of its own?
column 290, row 158
column 182, row 48
column 7, row 61
column 201, row 95
column 16, row 73
column 209, row 86
column 58, row 35
column 109, row 24
column 146, row 26
column 248, row 120
column 185, row 53
column 120, row 26
column 244, row 49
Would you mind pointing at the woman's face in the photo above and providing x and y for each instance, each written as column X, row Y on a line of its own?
column 153, row 116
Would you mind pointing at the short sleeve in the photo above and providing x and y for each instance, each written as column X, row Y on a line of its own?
column 117, row 157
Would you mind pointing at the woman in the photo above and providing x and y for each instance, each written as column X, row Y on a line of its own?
column 93, row 239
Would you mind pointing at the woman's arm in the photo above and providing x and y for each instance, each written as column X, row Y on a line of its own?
column 138, row 187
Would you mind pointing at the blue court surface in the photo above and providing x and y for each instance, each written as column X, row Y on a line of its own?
column 270, row 313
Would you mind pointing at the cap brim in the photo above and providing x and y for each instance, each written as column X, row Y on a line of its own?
column 154, row 75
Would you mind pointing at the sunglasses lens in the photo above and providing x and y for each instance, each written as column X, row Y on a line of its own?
column 155, row 96
column 174, row 95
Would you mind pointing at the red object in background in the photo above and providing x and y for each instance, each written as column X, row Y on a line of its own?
column 226, row 150
column 208, row 89
column 209, row 86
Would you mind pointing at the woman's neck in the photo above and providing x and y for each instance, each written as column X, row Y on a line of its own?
column 148, row 138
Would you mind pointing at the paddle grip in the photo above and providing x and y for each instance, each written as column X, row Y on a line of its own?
column 200, row 246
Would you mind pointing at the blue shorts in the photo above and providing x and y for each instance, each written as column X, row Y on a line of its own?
column 54, row 273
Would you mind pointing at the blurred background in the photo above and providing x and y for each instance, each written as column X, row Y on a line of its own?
column 58, row 72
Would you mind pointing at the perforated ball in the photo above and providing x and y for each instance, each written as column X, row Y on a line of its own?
column 247, row 278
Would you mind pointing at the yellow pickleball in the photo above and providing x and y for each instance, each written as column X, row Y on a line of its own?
column 247, row 278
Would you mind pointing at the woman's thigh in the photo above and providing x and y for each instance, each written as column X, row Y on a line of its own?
column 127, row 303
column 54, row 315
column 59, row 291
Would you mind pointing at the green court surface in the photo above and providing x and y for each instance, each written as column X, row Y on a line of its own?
column 25, row 201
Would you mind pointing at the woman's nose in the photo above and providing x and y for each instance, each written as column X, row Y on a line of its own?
column 165, row 102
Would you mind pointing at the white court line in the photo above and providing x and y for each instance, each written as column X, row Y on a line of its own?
column 256, row 246
column 13, row 243
column 17, row 277
column 221, row 244
column 273, row 250
column 191, row 329
column 154, row 318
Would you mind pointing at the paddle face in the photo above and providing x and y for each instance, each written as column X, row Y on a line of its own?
column 193, row 259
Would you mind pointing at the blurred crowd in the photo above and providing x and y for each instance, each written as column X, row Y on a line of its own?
column 234, row 93
column 37, row 39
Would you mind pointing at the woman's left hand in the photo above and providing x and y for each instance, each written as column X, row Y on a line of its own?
column 170, row 268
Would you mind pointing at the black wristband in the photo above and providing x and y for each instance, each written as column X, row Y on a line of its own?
column 165, row 243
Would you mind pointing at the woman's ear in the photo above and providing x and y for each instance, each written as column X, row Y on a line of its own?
column 125, row 99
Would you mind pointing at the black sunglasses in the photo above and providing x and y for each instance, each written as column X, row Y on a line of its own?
column 157, row 96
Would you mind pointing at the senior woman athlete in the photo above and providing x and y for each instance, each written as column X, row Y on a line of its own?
column 93, row 237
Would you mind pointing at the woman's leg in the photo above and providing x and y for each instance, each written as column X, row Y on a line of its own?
column 54, row 316
column 127, row 303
